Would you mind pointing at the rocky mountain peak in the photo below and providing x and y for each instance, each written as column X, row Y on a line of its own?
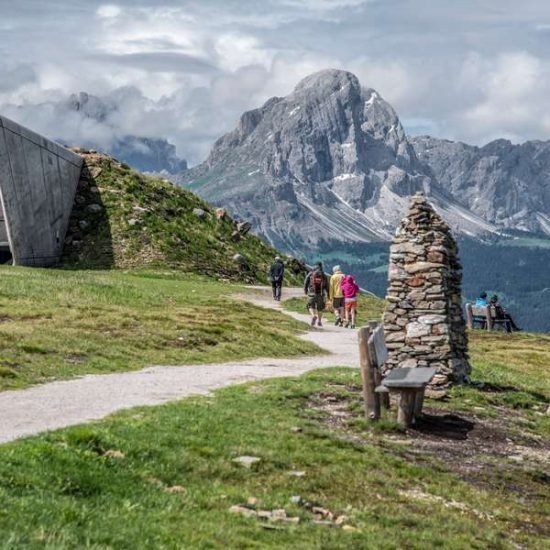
column 329, row 161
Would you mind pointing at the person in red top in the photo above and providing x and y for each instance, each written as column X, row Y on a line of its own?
column 350, row 290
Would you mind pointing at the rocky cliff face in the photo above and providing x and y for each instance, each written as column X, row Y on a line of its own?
column 328, row 162
column 507, row 185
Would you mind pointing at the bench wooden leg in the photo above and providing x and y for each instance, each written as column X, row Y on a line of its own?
column 418, row 403
column 384, row 397
column 406, row 407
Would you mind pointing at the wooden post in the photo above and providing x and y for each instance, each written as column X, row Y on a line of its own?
column 368, row 373
column 405, row 411
column 384, row 397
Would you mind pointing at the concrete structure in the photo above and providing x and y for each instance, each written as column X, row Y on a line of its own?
column 423, row 320
column 38, row 180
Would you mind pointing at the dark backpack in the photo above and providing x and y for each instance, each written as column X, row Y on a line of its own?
column 317, row 282
column 277, row 271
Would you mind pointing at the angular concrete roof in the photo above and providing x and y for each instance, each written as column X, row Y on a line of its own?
column 38, row 181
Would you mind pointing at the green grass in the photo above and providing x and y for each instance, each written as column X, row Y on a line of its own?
column 509, row 372
column 163, row 477
column 146, row 221
column 58, row 324
column 369, row 308
column 111, row 484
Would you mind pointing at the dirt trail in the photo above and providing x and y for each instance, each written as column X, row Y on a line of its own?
column 65, row 403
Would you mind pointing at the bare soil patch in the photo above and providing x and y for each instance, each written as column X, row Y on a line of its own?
column 483, row 452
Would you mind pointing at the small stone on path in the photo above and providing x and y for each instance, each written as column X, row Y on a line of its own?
column 175, row 489
column 246, row 461
column 114, row 453
column 243, row 510
column 296, row 473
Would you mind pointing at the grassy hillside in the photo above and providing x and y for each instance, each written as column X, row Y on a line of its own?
column 122, row 218
column 473, row 474
column 58, row 323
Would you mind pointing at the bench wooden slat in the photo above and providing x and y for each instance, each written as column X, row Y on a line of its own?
column 416, row 377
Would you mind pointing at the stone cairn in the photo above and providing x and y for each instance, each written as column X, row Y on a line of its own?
column 423, row 321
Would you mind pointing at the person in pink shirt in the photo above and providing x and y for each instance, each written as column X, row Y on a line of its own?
column 350, row 289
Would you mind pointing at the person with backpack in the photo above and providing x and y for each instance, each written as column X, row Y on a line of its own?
column 350, row 290
column 276, row 276
column 316, row 287
column 335, row 294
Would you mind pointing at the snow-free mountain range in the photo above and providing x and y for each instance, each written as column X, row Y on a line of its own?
column 331, row 162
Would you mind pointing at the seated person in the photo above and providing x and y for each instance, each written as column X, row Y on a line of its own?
column 501, row 313
column 482, row 300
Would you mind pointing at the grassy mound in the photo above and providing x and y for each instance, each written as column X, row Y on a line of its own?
column 122, row 218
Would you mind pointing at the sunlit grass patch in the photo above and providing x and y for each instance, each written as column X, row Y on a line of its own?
column 58, row 324
column 166, row 477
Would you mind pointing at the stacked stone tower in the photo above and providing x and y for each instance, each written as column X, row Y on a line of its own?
column 423, row 321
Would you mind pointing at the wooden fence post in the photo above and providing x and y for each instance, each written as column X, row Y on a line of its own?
column 368, row 374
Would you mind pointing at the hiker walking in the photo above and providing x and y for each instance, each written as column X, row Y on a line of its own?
column 335, row 294
column 316, row 288
column 276, row 276
column 350, row 289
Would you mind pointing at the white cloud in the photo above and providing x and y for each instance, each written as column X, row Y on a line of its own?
column 239, row 50
column 510, row 92
column 186, row 71
column 108, row 11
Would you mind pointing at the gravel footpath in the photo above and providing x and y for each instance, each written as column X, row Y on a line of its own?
column 66, row 403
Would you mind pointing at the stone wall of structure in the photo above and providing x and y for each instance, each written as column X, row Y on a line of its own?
column 423, row 322
column 38, row 180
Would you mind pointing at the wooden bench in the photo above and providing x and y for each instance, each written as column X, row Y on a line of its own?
column 485, row 317
column 409, row 383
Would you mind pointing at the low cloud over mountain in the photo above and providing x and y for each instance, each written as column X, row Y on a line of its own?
column 185, row 72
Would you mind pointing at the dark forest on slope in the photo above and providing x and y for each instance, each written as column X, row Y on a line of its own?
column 519, row 275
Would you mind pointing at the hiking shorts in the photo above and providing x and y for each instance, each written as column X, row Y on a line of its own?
column 351, row 304
column 317, row 301
column 337, row 303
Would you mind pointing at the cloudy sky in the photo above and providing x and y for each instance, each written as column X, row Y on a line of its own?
column 471, row 70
